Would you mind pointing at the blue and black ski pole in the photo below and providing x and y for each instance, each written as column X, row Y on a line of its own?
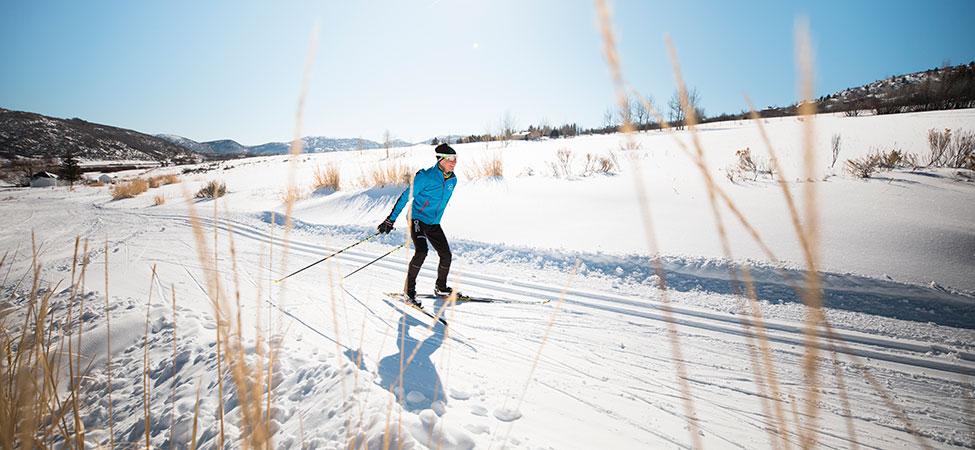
column 375, row 260
column 323, row 259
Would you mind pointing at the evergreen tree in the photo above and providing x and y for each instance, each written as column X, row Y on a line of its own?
column 70, row 170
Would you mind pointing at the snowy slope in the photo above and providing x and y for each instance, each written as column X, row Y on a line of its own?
column 592, row 367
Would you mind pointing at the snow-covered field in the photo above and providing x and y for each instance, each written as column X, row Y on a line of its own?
column 592, row 367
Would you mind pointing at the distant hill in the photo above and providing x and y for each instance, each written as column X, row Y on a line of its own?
column 951, row 87
column 32, row 135
column 450, row 139
column 310, row 144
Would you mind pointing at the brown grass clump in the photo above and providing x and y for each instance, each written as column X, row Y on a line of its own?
column 877, row 160
column 949, row 149
column 159, row 200
column 327, row 177
column 387, row 175
column 213, row 189
column 596, row 164
column 129, row 189
column 162, row 180
column 490, row 167
column 293, row 193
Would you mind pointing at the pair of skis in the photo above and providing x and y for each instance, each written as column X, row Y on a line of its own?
column 461, row 298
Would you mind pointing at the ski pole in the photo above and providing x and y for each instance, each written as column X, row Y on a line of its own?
column 323, row 259
column 377, row 259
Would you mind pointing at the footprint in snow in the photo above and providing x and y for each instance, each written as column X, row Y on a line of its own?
column 507, row 414
column 415, row 397
column 459, row 394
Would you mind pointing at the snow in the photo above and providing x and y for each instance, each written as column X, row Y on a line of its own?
column 592, row 368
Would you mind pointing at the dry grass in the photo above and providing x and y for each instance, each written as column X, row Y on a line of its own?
column 162, row 180
column 213, row 189
column 951, row 149
column 596, row 164
column 248, row 377
column 293, row 193
column 327, row 177
column 129, row 189
column 866, row 166
column 390, row 174
column 562, row 166
column 159, row 200
column 490, row 167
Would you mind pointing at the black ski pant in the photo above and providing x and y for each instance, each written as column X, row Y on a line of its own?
column 421, row 234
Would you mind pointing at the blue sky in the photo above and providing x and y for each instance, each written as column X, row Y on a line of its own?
column 232, row 69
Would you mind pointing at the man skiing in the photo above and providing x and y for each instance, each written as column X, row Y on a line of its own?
column 432, row 188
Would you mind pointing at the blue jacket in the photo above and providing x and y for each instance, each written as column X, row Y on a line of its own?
column 431, row 192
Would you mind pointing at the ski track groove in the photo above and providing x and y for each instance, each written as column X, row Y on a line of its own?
column 728, row 324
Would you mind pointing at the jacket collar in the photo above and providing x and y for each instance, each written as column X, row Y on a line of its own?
column 443, row 175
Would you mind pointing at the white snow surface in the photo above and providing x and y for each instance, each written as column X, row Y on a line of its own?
column 590, row 368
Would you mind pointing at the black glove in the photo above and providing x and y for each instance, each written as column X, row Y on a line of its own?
column 385, row 227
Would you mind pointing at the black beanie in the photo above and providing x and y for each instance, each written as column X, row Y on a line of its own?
column 444, row 149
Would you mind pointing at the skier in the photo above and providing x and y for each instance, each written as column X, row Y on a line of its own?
column 432, row 188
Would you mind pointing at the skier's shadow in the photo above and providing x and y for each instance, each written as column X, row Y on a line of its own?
column 419, row 375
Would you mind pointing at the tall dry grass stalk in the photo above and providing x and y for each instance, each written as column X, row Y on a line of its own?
column 196, row 415
column 31, row 409
column 812, row 294
column 246, row 377
column 541, row 346
column 296, row 143
column 844, row 401
column 613, row 62
column 763, row 369
column 146, row 385
column 172, row 392
column 108, row 363
column 802, row 237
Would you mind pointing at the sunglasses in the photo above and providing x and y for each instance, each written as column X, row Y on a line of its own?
column 448, row 157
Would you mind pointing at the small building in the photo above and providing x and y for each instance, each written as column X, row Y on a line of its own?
column 43, row 179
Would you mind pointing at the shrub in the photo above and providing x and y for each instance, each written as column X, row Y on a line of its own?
column 293, row 194
column 327, row 177
column 862, row 167
column 835, row 145
column 129, row 189
column 763, row 166
column 493, row 166
column 213, row 189
column 867, row 165
column 562, row 167
column 159, row 200
column 947, row 149
column 938, row 142
column 600, row 164
column 386, row 175
column 745, row 167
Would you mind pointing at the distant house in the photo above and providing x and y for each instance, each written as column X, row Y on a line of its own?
column 520, row 136
column 43, row 179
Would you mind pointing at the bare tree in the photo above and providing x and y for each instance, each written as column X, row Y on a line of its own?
column 627, row 110
column 508, row 126
column 609, row 118
column 387, row 142
column 640, row 113
column 678, row 115
column 676, row 111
